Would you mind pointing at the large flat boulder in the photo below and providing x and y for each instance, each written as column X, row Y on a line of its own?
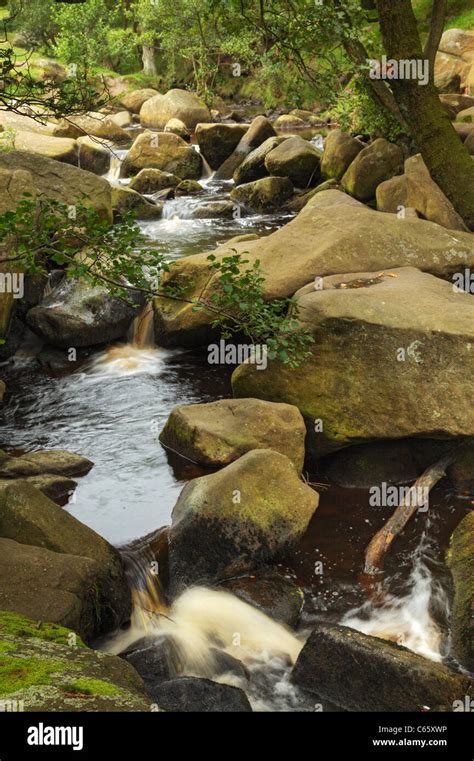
column 46, row 668
column 165, row 151
column 332, row 234
column 28, row 517
column 392, row 358
column 218, row 141
column 95, row 124
column 60, row 181
column 76, row 314
column 176, row 104
column 461, row 562
column 220, row 432
column 362, row 673
column 58, row 148
column 242, row 517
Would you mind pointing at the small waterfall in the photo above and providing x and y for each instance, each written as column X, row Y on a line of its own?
column 116, row 159
column 142, row 332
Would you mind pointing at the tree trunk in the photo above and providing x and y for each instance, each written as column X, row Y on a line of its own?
column 148, row 58
column 446, row 157
column 438, row 17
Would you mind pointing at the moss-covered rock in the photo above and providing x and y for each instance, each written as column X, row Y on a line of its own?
column 238, row 519
column 47, row 668
column 265, row 195
column 296, row 159
column 47, row 461
column 165, row 151
column 363, row 673
column 253, row 166
column 461, row 562
column 126, row 199
column 218, row 141
column 95, row 154
column 340, row 150
column 150, row 181
column 220, row 432
column 377, row 162
column 259, row 131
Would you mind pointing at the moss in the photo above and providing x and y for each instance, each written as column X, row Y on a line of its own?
column 21, row 673
column 91, row 687
column 11, row 624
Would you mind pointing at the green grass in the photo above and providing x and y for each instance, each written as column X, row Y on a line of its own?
column 460, row 13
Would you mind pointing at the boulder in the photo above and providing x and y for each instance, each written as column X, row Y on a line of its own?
column 192, row 694
column 216, row 210
column 461, row 472
column 30, row 518
column 454, row 102
column 392, row 195
column 466, row 115
column 424, row 195
column 53, row 462
column 360, row 467
column 60, row 149
column 332, row 234
column 273, row 594
column 253, row 167
column 60, row 181
column 188, row 188
column 76, row 314
column 13, row 185
column 165, row 151
column 340, row 150
column 450, row 72
column 95, row 154
column 289, row 122
column 47, row 668
column 259, row 131
column 265, row 195
column 308, row 117
column 95, row 124
column 21, row 122
column 220, row 432
column 463, row 129
column 128, row 200
column 458, row 42
column 238, row 519
column 460, row 560
column 134, row 100
column 362, row 673
column 391, row 359
column 470, row 143
column 121, row 119
column 177, row 127
column 297, row 159
column 218, row 141
column 176, row 104
column 377, row 162
column 57, row 488
column 150, row 181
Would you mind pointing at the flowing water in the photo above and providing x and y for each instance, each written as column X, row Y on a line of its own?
column 112, row 409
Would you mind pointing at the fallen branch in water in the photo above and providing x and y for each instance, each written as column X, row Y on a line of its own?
column 376, row 550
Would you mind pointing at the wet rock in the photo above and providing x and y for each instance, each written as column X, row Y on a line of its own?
column 238, row 519
column 76, row 314
column 273, row 594
column 154, row 658
column 60, row 181
column 150, row 181
column 128, row 200
column 165, row 151
column 215, row 210
column 363, row 466
column 332, row 234
column 133, row 101
column 55, row 461
column 460, row 560
column 377, row 162
column 296, row 159
column 176, row 104
column 49, row 669
column 220, row 432
column 395, row 340
column 363, row 673
column 340, row 150
column 265, row 195
column 188, row 187
column 59, row 149
column 191, row 694
column 253, row 167
column 218, row 141
column 259, row 131
column 95, row 124
column 177, row 127
column 95, row 154
column 28, row 517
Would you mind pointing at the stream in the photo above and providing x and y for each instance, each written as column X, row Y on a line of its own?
column 112, row 409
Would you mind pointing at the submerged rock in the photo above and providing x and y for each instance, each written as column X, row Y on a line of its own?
column 192, row 694
column 363, row 673
column 47, row 668
column 377, row 162
column 176, row 104
column 165, row 151
column 218, row 141
column 273, row 594
column 220, row 432
column 461, row 562
column 30, row 518
column 238, row 519
column 76, row 314
column 391, row 358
